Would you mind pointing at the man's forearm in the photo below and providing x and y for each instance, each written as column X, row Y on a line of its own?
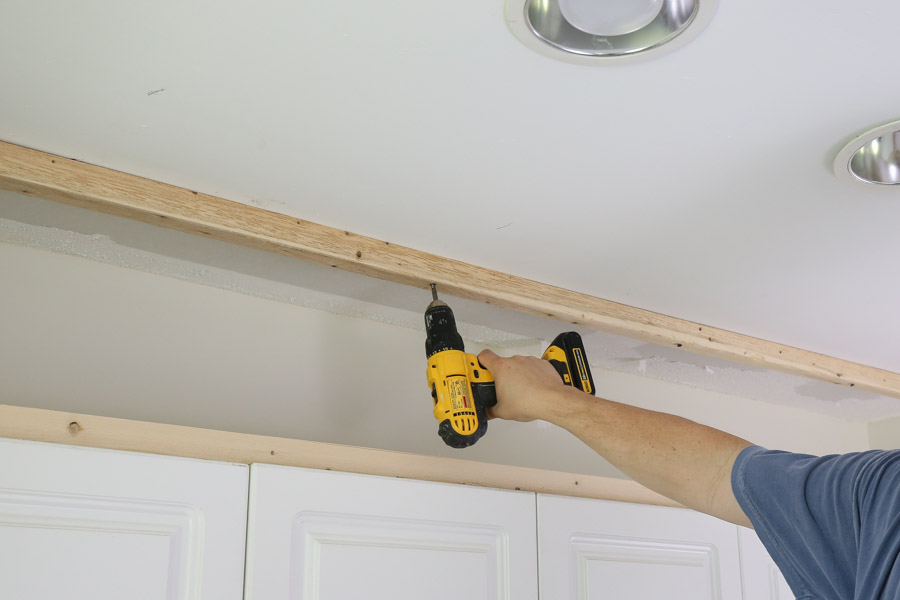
column 681, row 459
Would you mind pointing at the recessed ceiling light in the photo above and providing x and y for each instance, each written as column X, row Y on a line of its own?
column 873, row 157
column 609, row 31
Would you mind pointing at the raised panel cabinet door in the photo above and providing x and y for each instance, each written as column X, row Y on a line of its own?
column 324, row 535
column 89, row 524
column 762, row 578
column 599, row 550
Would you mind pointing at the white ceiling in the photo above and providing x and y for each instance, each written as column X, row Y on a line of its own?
column 696, row 185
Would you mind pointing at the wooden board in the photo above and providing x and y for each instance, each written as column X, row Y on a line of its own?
column 43, row 175
column 41, row 425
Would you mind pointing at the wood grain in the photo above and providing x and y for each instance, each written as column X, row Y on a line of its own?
column 43, row 175
column 175, row 440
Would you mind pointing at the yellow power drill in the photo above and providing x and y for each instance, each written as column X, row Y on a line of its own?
column 462, row 389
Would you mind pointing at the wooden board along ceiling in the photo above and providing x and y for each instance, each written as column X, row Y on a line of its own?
column 56, row 178
column 698, row 184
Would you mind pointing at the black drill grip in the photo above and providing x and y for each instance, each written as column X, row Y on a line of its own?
column 485, row 394
column 561, row 368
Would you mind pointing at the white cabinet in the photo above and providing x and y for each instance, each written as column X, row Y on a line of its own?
column 762, row 579
column 82, row 523
column 321, row 535
column 593, row 550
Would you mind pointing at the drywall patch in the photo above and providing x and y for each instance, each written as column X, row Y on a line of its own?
column 825, row 392
column 708, row 364
column 635, row 357
column 102, row 248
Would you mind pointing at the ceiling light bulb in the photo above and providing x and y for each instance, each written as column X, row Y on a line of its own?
column 872, row 157
column 610, row 17
column 604, row 32
column 879, row 160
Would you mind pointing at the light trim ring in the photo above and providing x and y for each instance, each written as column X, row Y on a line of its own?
column 540, row 25
column 872, row 157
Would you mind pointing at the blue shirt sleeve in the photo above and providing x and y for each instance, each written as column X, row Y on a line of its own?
column 831, row 523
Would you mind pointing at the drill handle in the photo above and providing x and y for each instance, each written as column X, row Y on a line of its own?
column 483, row 391
column 485, row 394
column 562, row 368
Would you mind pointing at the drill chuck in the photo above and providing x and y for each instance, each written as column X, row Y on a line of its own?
column 440, row 329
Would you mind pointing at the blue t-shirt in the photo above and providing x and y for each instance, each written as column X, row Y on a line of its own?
column 831, row 523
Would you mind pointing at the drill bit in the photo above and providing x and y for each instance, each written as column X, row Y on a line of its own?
column 434, row 296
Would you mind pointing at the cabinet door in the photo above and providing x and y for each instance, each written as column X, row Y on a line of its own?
column 762, row 579
column 83, row 523
column 323, row 535
column 593, row 550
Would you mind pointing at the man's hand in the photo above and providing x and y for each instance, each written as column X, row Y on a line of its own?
column 686, row 461
column 527, row 387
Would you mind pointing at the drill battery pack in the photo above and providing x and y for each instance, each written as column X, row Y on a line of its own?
column 566, row 354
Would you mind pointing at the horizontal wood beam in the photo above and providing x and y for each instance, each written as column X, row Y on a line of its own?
column 43, row 175
column 175, row 440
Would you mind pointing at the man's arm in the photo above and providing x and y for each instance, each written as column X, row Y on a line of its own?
column 683, row 460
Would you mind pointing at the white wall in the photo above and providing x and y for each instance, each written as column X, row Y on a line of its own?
column 90, row 337
column 885, row 434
